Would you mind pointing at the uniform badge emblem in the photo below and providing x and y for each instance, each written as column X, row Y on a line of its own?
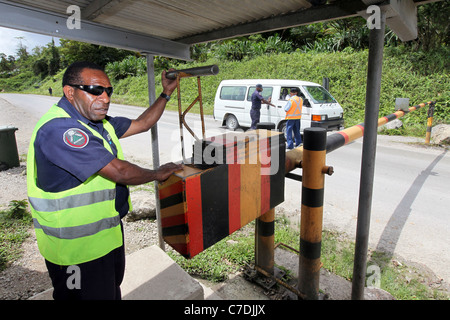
column 76, row 138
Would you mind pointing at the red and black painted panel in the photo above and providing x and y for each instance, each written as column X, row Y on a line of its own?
column 199, row 207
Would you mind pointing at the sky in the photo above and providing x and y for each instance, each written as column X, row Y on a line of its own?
column 9, row 43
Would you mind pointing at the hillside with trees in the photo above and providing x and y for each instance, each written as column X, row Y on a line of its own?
column 418, row 70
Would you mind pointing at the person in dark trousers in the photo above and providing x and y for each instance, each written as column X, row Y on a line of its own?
column 293, row 110
column 77, row 182
column 257, row 100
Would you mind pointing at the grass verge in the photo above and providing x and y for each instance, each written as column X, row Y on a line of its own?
column 14, row 225
column 232, row 253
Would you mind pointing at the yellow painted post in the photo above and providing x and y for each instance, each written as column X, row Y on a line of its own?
column 313, row 164
column 265, row 230
column 265, row 241
column 429, row 123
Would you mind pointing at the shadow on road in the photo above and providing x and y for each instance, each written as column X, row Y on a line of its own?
column 395, row 225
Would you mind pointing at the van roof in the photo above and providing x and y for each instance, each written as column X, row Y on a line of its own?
column 267, row 82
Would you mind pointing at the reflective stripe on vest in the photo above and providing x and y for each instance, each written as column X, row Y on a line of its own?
column 79, row 231
column 80, row 224
column 69, row 202
column 295, row 112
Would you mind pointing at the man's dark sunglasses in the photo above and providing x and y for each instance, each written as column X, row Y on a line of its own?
column 94, row 90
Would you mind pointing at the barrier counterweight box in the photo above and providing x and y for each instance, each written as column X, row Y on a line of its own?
column 201, row 205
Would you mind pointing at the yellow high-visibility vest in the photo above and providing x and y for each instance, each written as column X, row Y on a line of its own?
column 80, row 224
column 295, row 112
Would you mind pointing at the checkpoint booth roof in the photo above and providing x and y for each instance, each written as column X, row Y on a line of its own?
column 169, row 27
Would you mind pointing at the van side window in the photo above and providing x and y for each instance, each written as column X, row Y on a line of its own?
column 284, row 93
column 233, row 93
column 267, row 92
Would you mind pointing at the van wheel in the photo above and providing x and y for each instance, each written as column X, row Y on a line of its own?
column 283, row 129
column 231, row 122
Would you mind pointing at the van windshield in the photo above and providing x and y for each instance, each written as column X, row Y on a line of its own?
column 319, row 94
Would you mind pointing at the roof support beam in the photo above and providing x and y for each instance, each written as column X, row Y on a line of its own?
column 336, row 10
column 401, row 17
column 52, row 24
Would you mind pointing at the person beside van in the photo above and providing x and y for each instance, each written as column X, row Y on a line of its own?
column 257, row 99
column 293, row 110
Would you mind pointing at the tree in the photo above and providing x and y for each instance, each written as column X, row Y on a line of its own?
column 7, row 64
column 21, row 51
column 53, row 59
column 433, row 26
column 72, row 51
column 46, row 60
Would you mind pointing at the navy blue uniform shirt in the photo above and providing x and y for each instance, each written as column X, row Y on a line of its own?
column 256, row 100
column 67, row 153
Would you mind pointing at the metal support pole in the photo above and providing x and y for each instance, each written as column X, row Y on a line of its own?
column 429, row 123
column 180, row 118
column 326, row 83
column 376, row 45
column 155, row 145
column 313, row 164
column 265, row 241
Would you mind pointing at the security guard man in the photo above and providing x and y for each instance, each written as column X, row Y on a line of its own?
column 293, row 110
column 77, row 183
column 257, row 100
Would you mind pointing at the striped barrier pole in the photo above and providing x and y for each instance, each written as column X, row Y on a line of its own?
column 345, row 136
column 429, row 123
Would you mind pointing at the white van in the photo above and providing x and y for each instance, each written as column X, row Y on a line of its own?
column 233, row 103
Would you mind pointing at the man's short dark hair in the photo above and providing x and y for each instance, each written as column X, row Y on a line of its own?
column 294, row 90
column 73, row 72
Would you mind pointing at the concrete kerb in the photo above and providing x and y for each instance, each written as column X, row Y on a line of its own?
column 146, row 280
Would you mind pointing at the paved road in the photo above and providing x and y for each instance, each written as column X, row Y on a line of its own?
column 410, row 210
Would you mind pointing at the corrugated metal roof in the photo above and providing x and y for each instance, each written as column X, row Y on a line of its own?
column 172, row 23
column 59, row 6
column 173, row 19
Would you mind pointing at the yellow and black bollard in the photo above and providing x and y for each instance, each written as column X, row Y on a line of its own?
column 313, row 164
column 265, row 241
column 429, row 122
column 265, row 230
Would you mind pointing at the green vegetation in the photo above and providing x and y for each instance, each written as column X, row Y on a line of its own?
column 14, row 225
column 418, row 76
column 418, row 70
column 402, row 77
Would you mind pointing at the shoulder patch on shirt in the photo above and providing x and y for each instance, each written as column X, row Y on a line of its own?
column 76, row 138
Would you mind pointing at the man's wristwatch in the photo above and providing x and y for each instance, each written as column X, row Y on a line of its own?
column 165, row 96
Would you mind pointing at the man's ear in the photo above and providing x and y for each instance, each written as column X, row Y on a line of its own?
column 68, row 92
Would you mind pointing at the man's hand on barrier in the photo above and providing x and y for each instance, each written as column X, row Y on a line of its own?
column 124, row 172
column 166, row 170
